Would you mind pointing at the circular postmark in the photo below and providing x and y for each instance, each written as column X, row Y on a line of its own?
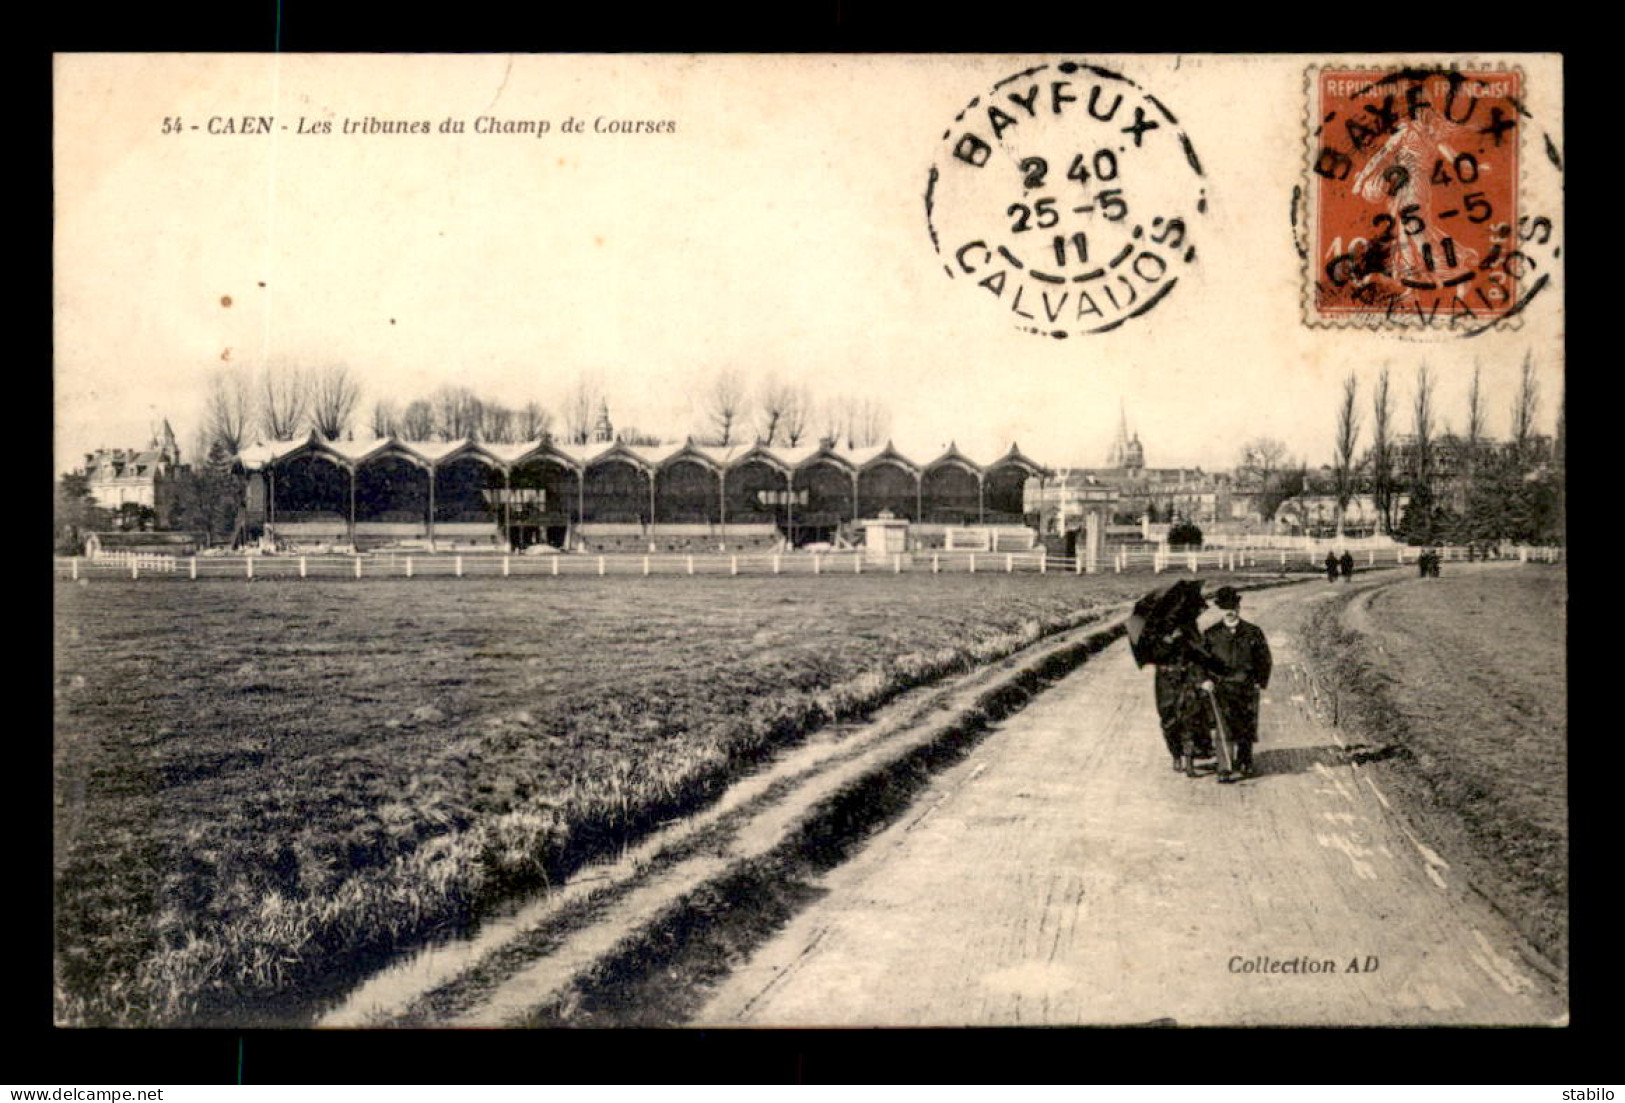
column 1429, row 206
column 1067, row 198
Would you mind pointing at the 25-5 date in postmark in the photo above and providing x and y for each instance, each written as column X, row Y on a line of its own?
column 1066, row 198
column 1416, row 212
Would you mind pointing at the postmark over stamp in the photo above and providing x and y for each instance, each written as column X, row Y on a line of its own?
column 1414, row 210
column 1067, row 199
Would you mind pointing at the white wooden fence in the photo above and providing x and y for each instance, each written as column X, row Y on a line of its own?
column 487, row 565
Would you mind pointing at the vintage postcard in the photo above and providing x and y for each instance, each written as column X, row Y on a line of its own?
column 809, row 540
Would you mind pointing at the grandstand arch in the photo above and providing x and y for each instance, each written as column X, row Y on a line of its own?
column 544, row 491
column 1004, row 485
column 889, row 483
column 392, row 492
column 830, row 485
column 951, row 489
column 462, row 482
column 688, row 490
column 756, row 491
column 617, row 488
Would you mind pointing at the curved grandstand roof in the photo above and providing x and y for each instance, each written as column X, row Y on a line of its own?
column 578, row 457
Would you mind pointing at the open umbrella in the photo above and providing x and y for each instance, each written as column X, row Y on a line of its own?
column 1159, row 613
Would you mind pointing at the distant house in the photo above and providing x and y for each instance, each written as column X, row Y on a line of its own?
column 141, row 543
column 121, row 476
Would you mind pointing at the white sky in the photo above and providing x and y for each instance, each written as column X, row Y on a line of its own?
column 781, row 229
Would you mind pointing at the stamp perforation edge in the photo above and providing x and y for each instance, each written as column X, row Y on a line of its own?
column 1396, row 324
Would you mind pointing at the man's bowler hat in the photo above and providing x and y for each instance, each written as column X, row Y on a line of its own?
column 1228, row 597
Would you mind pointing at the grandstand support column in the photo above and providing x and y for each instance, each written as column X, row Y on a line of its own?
column 854, row 502
column 722, row 509
column 651, row 532
column 431, row 506
column 352, row 507
column 581, row 505
column 919, row 498
column 507, row 520
column 981, row 503
column 790, row 508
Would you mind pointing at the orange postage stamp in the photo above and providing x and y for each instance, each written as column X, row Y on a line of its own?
column 1413, row 198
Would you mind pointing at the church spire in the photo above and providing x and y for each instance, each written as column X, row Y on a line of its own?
column 603, row 432
column 1118, row 456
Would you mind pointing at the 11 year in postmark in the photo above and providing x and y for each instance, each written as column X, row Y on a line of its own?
column 1067, row 199
column 1415, row 209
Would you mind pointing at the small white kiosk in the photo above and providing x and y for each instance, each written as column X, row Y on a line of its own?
column 884, row 536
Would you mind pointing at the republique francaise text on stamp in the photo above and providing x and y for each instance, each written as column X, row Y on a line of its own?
column 1415, row 216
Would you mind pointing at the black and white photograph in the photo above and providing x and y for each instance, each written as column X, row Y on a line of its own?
column 743, row 541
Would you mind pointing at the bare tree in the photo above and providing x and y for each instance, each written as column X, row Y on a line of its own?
column 1525, row 405
column 1422, row 429
column 456, row 412
column 384, row 422
column 1348, row 437
column 831, row 418
column 868, row 422
column 797, row 415
column 532, row 422
column 227, row 407
column 417, row 421
column 1382, row 452
column 1261, row 457
column 1474, row 435
column 496, row 423
column 580, row 408
column 774, row 399
column 726, row 406
column 333, row 398
column 284, row 398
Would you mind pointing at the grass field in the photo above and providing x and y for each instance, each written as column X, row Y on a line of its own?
column 1464, row 678
column 263, row 787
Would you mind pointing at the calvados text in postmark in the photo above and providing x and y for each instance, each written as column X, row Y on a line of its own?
column 1414, row 214
column 1066, row 198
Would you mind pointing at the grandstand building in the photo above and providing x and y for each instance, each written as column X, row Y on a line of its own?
column 611, row 496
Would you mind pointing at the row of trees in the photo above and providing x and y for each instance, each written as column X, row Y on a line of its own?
column 277, row 403
column 280, row 403
column 780, row 413
column 1459, row 487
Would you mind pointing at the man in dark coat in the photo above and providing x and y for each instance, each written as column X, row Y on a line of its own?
column 1173, row 642
column 1347, row 565
column 1331, row 567
column 1242, row 655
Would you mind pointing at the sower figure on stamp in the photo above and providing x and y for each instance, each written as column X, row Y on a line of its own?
column 1242, row 654
column 1163, row 631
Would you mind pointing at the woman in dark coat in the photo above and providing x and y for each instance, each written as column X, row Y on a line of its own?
column 1170, row 639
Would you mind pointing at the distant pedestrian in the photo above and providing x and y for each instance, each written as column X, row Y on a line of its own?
column 1331, row 567
column 1424, row 563
column 1346, row 565
column 1243, row 657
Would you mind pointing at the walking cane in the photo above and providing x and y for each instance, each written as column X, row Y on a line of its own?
column 1227, row 757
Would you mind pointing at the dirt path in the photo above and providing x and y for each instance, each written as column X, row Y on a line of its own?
column 1062, row 873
